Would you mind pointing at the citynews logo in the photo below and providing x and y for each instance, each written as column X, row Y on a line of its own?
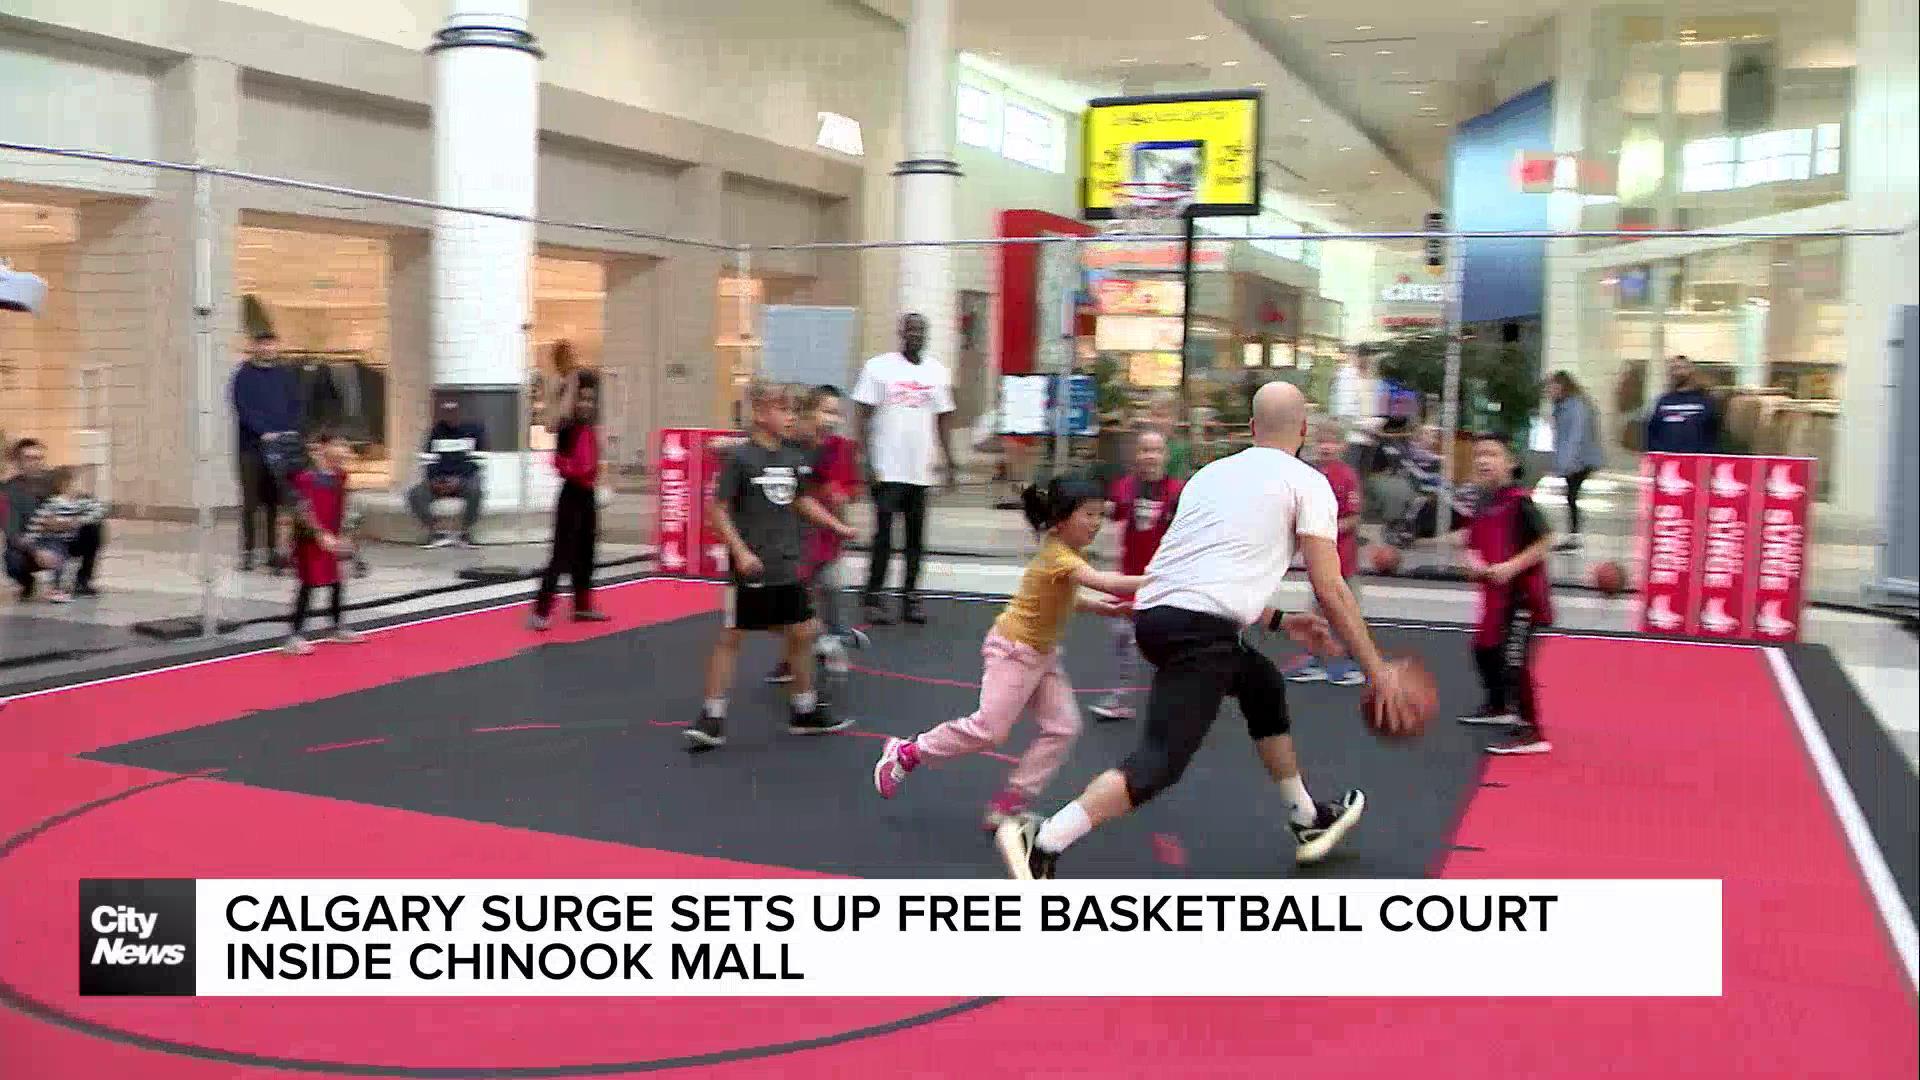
column 136, row 937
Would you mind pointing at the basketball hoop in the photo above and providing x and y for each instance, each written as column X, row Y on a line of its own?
column 1151, row 200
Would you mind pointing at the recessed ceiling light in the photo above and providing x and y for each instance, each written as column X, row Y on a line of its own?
column 1439, row 123
column 1336, row 54
column 1229, row 63
column 1363, row 28
column 1429, row 108
column 1383, row 52
column 1296, row 18
column 1479, row 22
column 1259, row 86
column 1399, row 193
column 1403, row 73
column 1344, row 149
column 1416, row 93
column 1129, row 59
column 1326, row 191
column 1196, row 37
column 1373, row 172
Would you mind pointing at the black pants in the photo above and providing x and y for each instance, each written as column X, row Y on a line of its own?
column 1506, row 669
column 576, row 530
column 303, row 604
column 420, row 501
column 1574, row 480
column 259, row 495
column 1197, row 661
column 910, row 502
column 83, row 553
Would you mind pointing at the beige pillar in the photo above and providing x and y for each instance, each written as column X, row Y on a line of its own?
column 688, row 285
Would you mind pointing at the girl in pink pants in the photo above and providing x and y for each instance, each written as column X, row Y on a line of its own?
column 1022, row 673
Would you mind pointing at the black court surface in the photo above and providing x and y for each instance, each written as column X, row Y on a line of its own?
column 468, row 747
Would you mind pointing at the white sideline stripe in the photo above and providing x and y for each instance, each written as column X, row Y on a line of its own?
column 51, row 690
column 1873, row 865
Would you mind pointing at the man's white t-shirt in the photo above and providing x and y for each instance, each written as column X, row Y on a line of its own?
column 906, row 398
column 1232, row 539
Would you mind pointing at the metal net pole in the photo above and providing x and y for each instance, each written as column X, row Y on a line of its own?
column 1450, row 394
column 204, row 347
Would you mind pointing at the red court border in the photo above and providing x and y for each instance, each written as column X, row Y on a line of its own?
column 1512, row 779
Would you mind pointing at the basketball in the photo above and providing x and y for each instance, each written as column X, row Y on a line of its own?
column 1385, row 559
column 1423, row 692
column 1608, row 577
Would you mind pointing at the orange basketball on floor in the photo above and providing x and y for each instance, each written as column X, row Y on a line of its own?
column 1385, row 559
column 1423, row 692
column 1609, row 578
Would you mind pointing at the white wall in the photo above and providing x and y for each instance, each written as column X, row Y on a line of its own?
column 66, row 95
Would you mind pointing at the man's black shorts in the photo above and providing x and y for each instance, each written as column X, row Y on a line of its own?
column 750, row 606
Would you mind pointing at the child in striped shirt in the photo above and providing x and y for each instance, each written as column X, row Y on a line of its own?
column 55, row 523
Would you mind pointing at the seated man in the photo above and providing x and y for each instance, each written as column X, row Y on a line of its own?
column 23, row 495
column 451, row 470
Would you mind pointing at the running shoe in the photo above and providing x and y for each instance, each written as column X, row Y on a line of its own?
column 1005, row 807
column 783, row 673
column 1526, row 741
column 590, row 615
column 344, row 636
column 1307, row 672
column 1331, row 821
column 857, row 638
column 297, row 646
column 1023, row 857
column 912, row 612
column 820, row 721
column 708, row 731
column 892, row 768
column 1112, row 708
column 1489, row 718
column 1346, row 676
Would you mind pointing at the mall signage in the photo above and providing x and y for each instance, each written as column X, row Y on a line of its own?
column 1131, row 296
column 688, row 470
column 1406, row 291
column 1724, row 545
column 1150, row 255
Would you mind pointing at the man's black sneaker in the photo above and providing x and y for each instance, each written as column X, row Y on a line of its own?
column 820, row 721
column 874, row 614
column 1330, row 822
column 781, row 674
column 911, row 611
column 591, row 615
column 1016, row 840
column 708, row 731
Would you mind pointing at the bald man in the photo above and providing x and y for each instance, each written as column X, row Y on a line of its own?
column 1221, row 561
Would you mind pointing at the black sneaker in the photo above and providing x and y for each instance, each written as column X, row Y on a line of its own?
column 820, row 721
column 912, row 612
column 590, row 615
column 707, row 732
column 1024, row 859
column 781, row 674
column 874, row 614
column 1489, row 718
column 1330, row 822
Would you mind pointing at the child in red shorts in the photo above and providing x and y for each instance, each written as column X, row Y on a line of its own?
column 1143, row 502
column 1329, row 449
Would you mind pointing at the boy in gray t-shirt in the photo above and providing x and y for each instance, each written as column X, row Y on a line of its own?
column 757, row 507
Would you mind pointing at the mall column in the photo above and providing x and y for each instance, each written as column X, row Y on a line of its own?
column 485, row 131
column 927, row 176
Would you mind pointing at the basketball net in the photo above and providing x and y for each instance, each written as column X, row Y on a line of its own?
column 1144, row 206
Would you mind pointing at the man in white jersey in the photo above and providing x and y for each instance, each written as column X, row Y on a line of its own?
column 1221, row 561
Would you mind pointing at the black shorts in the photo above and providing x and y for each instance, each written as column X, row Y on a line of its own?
column 765, row 607
column 1198, row 660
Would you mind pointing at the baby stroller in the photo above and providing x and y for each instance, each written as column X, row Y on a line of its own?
column 1420, row 518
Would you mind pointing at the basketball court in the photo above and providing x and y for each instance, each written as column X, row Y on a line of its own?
column 466, row 746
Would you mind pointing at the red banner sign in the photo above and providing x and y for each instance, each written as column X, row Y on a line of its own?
column 1723, row 545
column 687, row 471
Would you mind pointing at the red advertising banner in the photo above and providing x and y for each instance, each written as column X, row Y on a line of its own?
column 687, row 471
column 1726, row 539
column 1780, row 549
column 1723, row 545
column 1670, row 543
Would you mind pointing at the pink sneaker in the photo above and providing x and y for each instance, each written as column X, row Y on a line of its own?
column 1006, row 806
column 896, row 761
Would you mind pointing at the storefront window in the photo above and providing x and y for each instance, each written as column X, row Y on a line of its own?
column 1764, row 323
column 1708, row 121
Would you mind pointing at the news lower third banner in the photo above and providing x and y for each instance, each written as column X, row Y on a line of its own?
column 807, row 938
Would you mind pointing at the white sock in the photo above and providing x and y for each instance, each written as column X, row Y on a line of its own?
column 716, row 707
column 1063, row 828
column 1299, row 804
column 803, row 703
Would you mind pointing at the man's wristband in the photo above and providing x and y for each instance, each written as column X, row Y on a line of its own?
column 1274, row 620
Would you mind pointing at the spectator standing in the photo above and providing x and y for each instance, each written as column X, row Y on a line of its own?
column 906, row 409
column 451, row 471
column 1576, row 445
column 267, row 410
column 1684, row 420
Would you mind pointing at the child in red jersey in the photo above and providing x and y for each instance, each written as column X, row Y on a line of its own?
column 1143, row 502
column 320, row 544
column 1330, row 446
column 1507, row 545
column 576, row 515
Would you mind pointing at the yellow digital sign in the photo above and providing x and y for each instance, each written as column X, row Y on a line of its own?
column 1208, row 141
